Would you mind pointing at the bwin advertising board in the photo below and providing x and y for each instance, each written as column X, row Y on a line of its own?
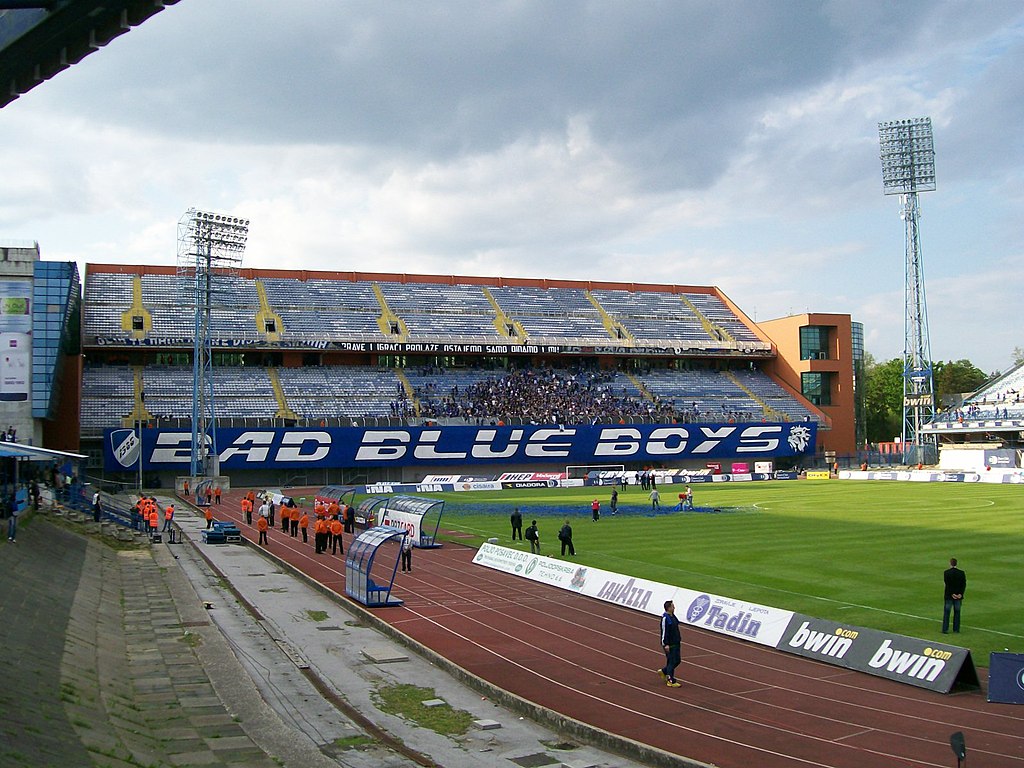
column 301, row 447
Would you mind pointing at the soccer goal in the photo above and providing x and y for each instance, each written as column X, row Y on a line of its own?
column 580, row 471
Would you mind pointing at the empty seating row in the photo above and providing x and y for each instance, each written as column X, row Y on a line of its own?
column 321, row 309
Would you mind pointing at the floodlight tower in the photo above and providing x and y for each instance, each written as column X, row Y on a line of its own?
column 908, row 167
column 210, row 248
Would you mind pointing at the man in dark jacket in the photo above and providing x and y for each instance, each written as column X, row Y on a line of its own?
column 955, row 581
column 565, row 536
column 670, row 642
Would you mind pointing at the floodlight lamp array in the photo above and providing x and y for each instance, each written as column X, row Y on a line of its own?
column 907, row 152
column 223, row 232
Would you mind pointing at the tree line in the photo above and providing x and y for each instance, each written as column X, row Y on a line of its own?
column 883, row 391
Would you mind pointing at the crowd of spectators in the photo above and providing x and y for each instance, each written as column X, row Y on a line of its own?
column 540, row 397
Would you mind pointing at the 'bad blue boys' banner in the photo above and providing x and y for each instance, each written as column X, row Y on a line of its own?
column 306, row 447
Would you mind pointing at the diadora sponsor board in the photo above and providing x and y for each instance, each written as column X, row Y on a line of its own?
column 406, row 521
column 922, row 663
column 241, row 448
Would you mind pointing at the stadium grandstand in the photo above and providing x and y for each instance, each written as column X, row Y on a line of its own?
column 328, row 352
column 345, row 349
column 984, row 431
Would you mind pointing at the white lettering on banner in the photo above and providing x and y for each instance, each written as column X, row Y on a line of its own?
column 254, row 446
column 483, row 448
column 923, row 667
column 538, row 447
column 759, row 445
column 427, row 448
column 827, row 644
column 172, row 448
column 667, row 441
column 293, row 442
column 611, row 442
column 717, row 435
column 386, row 445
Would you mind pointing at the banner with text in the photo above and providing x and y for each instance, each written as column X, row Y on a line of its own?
column 314, row 448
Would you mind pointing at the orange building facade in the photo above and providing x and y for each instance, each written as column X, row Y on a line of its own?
column 817, row 359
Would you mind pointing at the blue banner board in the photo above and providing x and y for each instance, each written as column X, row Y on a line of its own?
column 1006, row 678
column 309, row 448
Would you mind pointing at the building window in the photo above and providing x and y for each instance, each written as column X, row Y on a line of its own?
column 817, row 387
column 814, row 342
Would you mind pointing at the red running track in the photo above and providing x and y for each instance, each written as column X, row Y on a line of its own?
column 741, row 705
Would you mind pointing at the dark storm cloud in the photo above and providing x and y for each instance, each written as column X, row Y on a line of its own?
column 668, row 89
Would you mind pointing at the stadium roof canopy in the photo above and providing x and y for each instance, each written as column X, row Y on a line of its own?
column 34, row 453
column 39, row 38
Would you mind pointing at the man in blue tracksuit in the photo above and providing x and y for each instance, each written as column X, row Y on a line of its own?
column 670, row 642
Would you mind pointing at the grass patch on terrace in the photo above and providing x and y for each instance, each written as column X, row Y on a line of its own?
column 406, row 701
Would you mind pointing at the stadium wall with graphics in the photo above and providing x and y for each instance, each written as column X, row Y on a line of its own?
column 298, row 448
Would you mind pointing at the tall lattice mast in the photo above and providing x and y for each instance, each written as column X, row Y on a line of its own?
column 908, row 167
column 210, row 248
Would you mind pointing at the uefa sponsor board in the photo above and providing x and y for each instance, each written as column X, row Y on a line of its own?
column 311, row 448
column 922, row 663
column 379, row 488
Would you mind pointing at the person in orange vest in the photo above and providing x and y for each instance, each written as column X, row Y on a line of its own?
column 168, row 515
column 154, row 519
column 209, row 517
column 262, row 526
column 320, row 535
column 185, row 488
column 209, row 495
column 216, row 494
column 295, row 522
column 304, row 525
column 333, row 509
column 247, row 509
column 347, row 517
column 286, row 515
column 336, row 542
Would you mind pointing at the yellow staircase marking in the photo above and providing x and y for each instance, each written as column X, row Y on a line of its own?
column 283, row 410
column 136, row 310
column 139, row 412
column 503, row 321
column 615, row 329
column 644, row 391
column 266, row 313
column 387, row 318
column 769, row 412
column 713, row 330
column 409, row 391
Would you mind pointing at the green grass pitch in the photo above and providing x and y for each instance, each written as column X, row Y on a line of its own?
column 870, row 554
